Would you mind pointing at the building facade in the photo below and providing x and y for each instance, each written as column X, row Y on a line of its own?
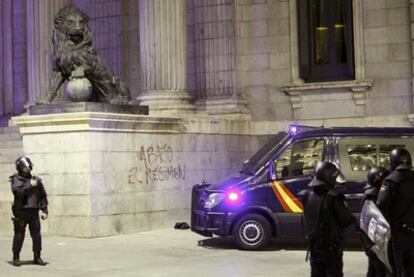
column 238, row 57
column 231, row 72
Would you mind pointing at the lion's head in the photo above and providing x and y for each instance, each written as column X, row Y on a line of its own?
column 71, row 25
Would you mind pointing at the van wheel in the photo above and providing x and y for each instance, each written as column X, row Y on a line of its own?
column 252, row 232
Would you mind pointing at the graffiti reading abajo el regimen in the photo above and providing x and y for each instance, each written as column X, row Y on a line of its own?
column 158, row 165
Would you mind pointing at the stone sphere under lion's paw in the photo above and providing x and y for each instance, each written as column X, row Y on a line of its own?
column 79, row 89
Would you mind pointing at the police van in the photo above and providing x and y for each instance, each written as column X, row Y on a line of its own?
column 262, row 201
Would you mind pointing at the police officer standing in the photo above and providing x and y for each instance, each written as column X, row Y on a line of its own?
column 396, row 201
column 29, row 196
column 326, row 216
column 375, row 178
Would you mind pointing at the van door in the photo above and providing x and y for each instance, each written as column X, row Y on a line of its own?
column 294, row 170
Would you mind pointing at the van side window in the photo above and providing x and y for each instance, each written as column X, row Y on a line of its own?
column 300, row 158
column 357, row 155
column 283, row 163
column 362, row 156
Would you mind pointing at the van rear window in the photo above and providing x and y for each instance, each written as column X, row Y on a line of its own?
column 358, row 155
column 362, row 156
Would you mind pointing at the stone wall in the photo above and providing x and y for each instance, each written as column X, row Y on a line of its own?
column 264, row 57
column 264, row 44
column 388, row 56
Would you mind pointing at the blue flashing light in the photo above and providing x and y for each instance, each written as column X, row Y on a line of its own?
column 293, row 130
column 296, row 129
column 233, row 197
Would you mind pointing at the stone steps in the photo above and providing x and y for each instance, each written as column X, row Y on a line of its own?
column 9, row 136
column 10, row 141
column 18, row 143
column 8, row 151
column 11, row 147
column 11, row 129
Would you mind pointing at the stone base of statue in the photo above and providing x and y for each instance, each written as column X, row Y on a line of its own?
column 71, row 107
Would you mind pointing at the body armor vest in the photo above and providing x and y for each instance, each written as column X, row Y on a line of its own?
column 402, row 205
column 320, row 226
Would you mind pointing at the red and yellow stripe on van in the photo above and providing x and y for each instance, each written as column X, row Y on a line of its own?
column 288, row 201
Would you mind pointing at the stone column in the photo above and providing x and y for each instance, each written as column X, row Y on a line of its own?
column 215, row 31
column 2, row 67
column 163, row 56
column 39, row 17
column 7, row 84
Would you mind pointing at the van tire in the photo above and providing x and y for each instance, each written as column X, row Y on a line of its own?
column 252, row 232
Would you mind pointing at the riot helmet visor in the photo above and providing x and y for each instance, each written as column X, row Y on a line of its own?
column 24, row 165
column 400, row 158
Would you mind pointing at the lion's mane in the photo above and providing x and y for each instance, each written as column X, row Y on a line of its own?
column 61, row 36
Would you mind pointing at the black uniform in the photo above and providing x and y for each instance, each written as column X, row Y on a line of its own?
column 396, row 201
column 326, row 216
column 28, row 200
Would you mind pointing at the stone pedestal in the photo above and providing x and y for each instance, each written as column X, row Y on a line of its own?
column 87, row 107
column 111, row 173
column 94, row 165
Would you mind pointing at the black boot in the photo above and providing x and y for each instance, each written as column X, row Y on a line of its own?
column 16, row 259
column 37, row 260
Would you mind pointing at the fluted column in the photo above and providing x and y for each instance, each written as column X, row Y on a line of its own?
column 215, row 30
column 40, row 15
column 2, row 64
column 7, row 80
column 163, row 56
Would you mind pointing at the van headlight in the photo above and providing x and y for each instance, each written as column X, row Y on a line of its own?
column 213, row 200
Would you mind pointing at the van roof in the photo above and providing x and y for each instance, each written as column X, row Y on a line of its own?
column 343, row 131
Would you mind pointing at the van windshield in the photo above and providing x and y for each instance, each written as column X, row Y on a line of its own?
column 264, row 154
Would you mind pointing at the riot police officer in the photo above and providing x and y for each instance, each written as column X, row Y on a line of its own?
column 326, row 216
column 29, row 197
column 396, row 201
column 375, row 178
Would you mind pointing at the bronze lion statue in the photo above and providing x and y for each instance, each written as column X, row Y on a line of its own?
column 74, row 57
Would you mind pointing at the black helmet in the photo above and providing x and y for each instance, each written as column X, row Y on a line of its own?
column 400, row 158
column 23, row 162
column 376, row 175
column 326, row 172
